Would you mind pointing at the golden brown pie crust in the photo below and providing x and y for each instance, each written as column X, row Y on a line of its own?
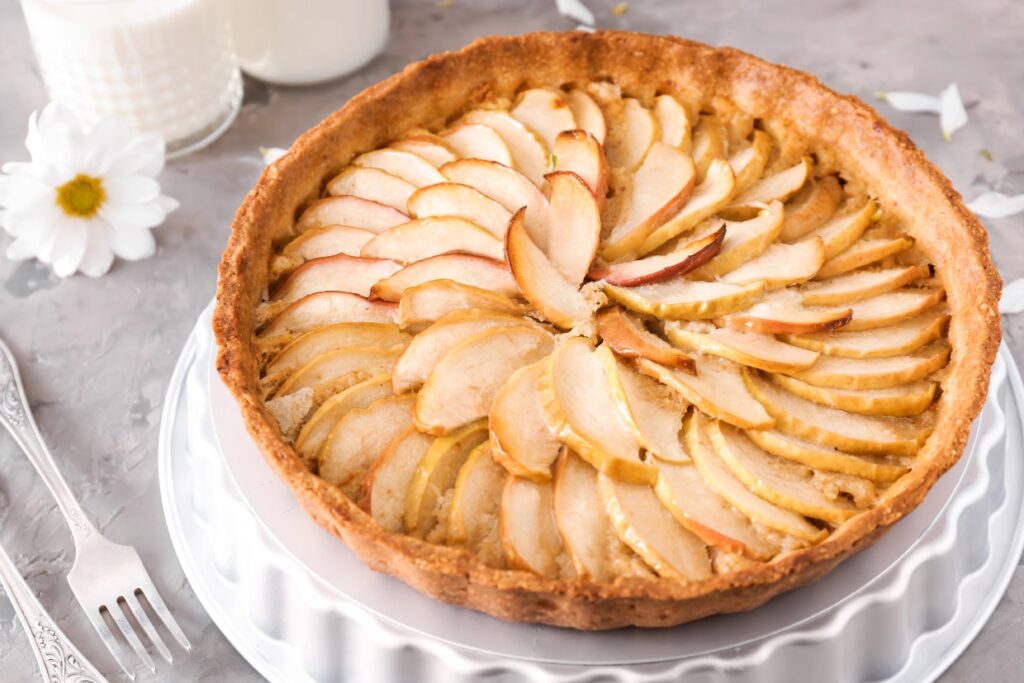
column 840, row 129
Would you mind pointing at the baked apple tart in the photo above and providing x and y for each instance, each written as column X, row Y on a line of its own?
column 606, row 329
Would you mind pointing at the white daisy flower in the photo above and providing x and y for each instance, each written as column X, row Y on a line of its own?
column 85, row 197
column 948, row 105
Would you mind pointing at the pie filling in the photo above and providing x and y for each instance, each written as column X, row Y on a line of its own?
column 589, row 336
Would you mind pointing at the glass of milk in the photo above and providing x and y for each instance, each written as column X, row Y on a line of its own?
column 165, row 66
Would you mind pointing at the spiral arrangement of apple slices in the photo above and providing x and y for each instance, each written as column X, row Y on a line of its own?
column 588, row 336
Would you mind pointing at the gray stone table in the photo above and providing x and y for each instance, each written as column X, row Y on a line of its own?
column 97, row 354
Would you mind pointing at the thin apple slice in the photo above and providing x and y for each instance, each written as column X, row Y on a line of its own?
column 875, row 373
column 387, row 482
column 321, row 340
column 587, row 113
column 354, row 212
column 762, row 351
column 327, row 241
column 580, row 407
column 685, row 299
column 816, row 203
column 902, row 400
column 425, row 237
column 473, row 518
column 659, row 189
column 881, row 469
column 673, row 122
column 327, row 308
column 372, row 184
column 778, row 481
column 430, row 147
column 460, row 201
column 782, row 312
column 544, row 112
column 839, row 233
column 718, row 476
column 781, row 265
column 529, row 155
column 864, row 252
column 318, row 427
column 425, row 304
column 893, row 307
column 529, row 534
column 710, row 143
column 861, row 284
column 627, row 337
column 427, row 501
column 408, row 166
column 572, row 216
column 463, row 383
column 359, row 438
column 708, row 197
column 629, row 140
column 717, row 390
column 837, row 428
column 652, row 411
column 745, row 240
column 338, row 273
column 521, row 439
column 558, row 301
column 475, row 141
column 469, row 269
column 708, row 515
column 777, row 187
column 577, row 151
column 749, row 163
column 429, row 346
column 324, row 371
column 646, row 526
column 893, row 340
column 684, row 257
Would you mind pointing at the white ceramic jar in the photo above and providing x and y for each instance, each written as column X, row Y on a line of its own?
column 165, row 66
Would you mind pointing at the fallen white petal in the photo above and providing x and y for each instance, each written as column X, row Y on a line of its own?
column 953, row 116
column 996, row 205
column 912, row 101
column 271, row 154
column 576, row 10
column 1012, row 300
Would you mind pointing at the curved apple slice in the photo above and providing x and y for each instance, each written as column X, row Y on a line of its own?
column 577, row 151
column 339, row 365
column 461, row 201
column 359, row 438
column 463, row 383
column 718, row 476
column 673, row 122
column 745, row 240
column 327, row 308
column 572, row 216
column 354, row 212
column 428, row 347
column 425, row 304
column 580, row 407
column 782, row 312
column 408, row 166
column 711, row 195
column 839, row 233
column 749, row 163
column 427, row 503
column 778, row 481
column 864, row 252
column 708, row 515
column 899, row 401
column 777, row 187
column 875, row 373
column 587, row 113
column 475, row 141
column 717, row 390
column 709, row 143
column 880, row 469
column 372, row 184
column 684, row 257
column 529, row 155
column 781, row 265
column 893, row 340
column 762, row 351
column 338, row 273
column 327, row 241
column 837, row 428
column 430, row 147
column 318, row 427
column 529, row 534
column 628, row 338
column 685, row 299
column 558, row 301
column 425, row 237
column 861, row 284
column 816, row 203
column 545, row 113
column 521, row 439
column 469, row 269
column 473, row 518
column 387, row 482
column 646, row 526
column 658, row 190
column 629, row 140
column 321, row 340
column 894, row 307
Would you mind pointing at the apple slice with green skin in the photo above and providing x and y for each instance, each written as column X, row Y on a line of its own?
column 717, row 389
column 883, row 469
column 720, row 478
column 777, row 187
column 462, row 385
column 893, row 307
column 426, row 508
column 336, row 364
column 430, row 147
column 627, row 337
column 359, row 438
column 355, row 212
column 587, row 113
column 425, row 304
column 875, row 373
column 781, row 265
column 782, row 312
column 749, row 163
column 864, row 252
column 469, row 269
column 627, row 143
column 558, row 301
column 684, row 257
column 475, row 141
column 322, row 309
column 762, row 351
column 646, row 526
column 839, row 233
column 572, row 216
column 898, row 401
column 408, row 166
column 673, row 122
column 837, row 428
column 321, row 340
column 529, row 156
column 429, row 346
column 659, row 189
column 425, row 237
column 338, row 273
column 710, row 143
column 544, row 112
column 372, row 184
column 708, row 197
column 708, row 515
column 528, row 531
column 685, row 299
column 893, row 340
column 473, row 518
column 387, row 482
column 318, row 427
column 521, row 440
column 327, row 241
column 812, row 206
column 460, row 201
column 744, row 240
column 778, row 481
column 580, row 408
column 577, row 151
column 861, row 284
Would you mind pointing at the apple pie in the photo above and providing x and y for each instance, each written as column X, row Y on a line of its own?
column 606, row 329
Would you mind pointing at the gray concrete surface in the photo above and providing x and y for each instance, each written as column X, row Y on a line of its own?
column 97, row 354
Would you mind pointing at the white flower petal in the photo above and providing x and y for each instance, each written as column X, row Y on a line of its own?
column 23, row 247
column 168, row 204
column 131, row 189
column 98, row 256
column 576, row 10
column 71, row 251
column 1012, row 300
column 143, row 156
column 18, row 190
column 996, row 205
column 61, row 136
column 40, row 172
column 51, row 243
column 272, row 154
column 131, row 244
column 109, row 135
column 953, row 116
column 33, row 217
column 902, row 100
column 133, row 215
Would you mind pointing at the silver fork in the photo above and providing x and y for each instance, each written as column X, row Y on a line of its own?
column 107, row 579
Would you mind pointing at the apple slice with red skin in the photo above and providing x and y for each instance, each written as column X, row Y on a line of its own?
column 588, row 114
column 355, row 212
column 328, row 308
column 684, row 258
column 574, row 217
column 470, row 269
column 577, row 151
column 782, row 312
column 627, row 337
column 338, row 273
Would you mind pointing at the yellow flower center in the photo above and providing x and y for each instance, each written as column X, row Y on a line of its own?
column 82, row 196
